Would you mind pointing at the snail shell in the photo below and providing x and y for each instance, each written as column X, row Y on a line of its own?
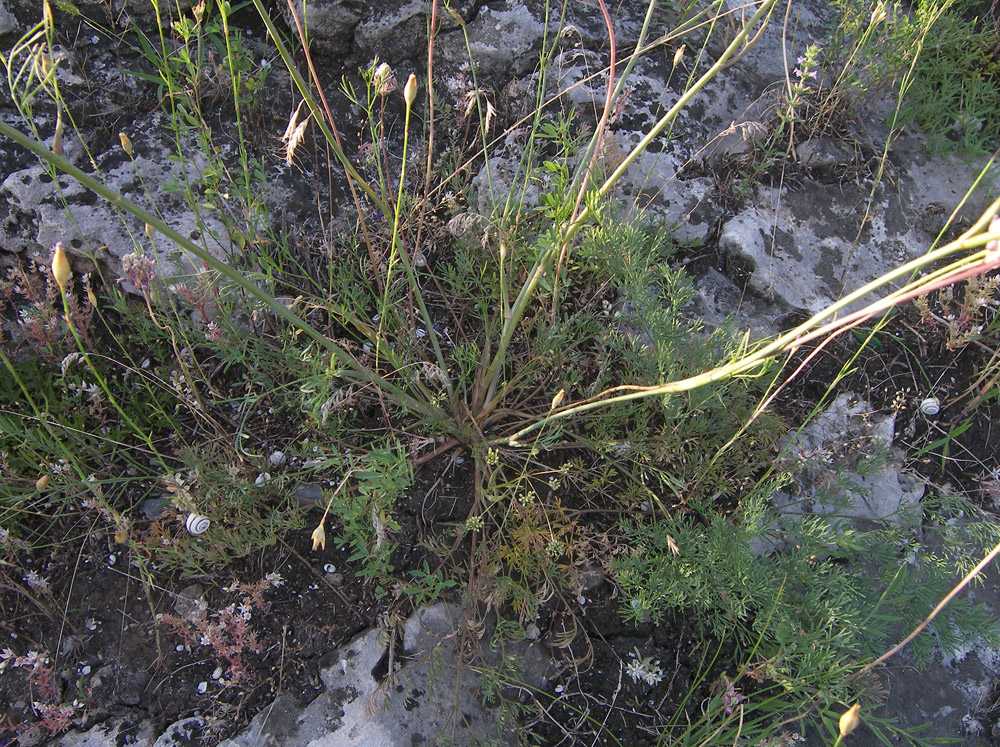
column 197, row 524
column 930, row 406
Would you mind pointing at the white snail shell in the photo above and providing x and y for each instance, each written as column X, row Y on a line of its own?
column 197, row 524
column 930, row 406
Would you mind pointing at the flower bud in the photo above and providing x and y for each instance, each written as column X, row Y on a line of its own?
column 41, row 483
column 60, row 267
column 558, row 399
column 126, row 143
column 679, row 54
column 849, row 720
column 57, row 136
column 410, row 90
column 319, row 537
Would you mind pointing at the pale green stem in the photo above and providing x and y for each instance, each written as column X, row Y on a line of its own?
column 354, row 371
column 542, row 265
column 408, row 269
column 976, row 263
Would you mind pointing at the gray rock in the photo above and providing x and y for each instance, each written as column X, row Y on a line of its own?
column 823, row 153
column 329, row 24
column 116, row 731
column 117, row 685
column 184, row 732
column 495, row 181
column 803, row 250
column 190, row 603
column 397, row 30
column 8, row 24
column 504, row 42
column 43, row 211
column 832, row 444
column 429, row 695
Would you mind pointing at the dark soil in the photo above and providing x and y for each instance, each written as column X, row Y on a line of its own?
column 906, row 362
column 104, row 649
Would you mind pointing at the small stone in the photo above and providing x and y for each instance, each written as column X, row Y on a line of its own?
column 337, row 579
column 190, row 603
column 202, row 688
column 153, row 508
column 277, row 458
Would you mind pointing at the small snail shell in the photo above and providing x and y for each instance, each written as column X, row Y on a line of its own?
column 930, row 406
column 197, row 524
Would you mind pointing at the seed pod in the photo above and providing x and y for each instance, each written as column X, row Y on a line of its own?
column 41, row 483
column 557, row 400
column 197, row 524
column 126, row 143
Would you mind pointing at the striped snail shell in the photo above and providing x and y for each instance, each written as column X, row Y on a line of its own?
column 197, row 524
column 930, row 406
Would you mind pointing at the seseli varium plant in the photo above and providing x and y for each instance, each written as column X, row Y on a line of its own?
column 481, row 399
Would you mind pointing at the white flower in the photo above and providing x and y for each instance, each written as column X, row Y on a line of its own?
column 39, row 583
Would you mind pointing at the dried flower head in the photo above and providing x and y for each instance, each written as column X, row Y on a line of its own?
column 384, row 79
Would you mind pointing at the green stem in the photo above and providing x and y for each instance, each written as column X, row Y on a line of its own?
column 814, row 327
column 408, row 268
column 542, row 265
